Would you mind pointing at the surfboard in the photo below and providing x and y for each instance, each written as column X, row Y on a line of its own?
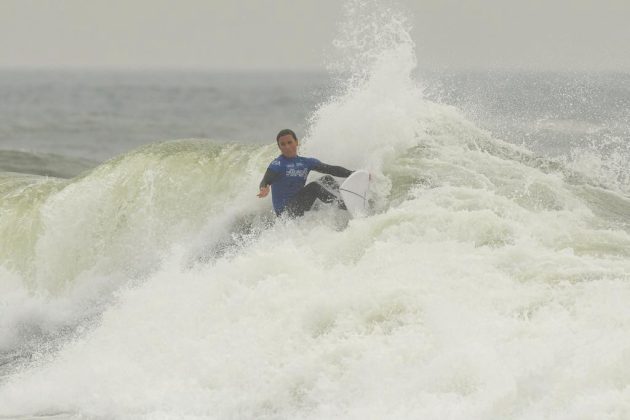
column 354, row 193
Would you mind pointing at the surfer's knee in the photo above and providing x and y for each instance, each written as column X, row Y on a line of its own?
column 312, row 187
column 328, row 181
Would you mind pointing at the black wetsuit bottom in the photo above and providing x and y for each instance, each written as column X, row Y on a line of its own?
column 305, row 198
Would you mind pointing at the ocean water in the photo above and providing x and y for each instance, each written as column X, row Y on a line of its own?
column 141, row 277
column 97, row 115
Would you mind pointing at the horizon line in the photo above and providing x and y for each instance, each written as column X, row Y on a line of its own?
column 312, row 70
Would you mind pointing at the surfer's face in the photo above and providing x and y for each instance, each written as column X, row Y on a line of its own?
column 288, row 145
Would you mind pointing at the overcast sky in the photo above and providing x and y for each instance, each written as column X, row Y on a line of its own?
column 298, row 34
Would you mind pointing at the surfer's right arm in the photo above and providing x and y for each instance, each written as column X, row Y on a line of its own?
column 268, row 179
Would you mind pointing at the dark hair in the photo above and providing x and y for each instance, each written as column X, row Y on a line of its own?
column 284, row 132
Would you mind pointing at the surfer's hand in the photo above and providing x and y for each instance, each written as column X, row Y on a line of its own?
column 263, row 192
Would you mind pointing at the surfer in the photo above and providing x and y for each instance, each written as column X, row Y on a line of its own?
column 288, row 172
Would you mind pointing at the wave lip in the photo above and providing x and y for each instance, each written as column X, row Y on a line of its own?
column 43, row 164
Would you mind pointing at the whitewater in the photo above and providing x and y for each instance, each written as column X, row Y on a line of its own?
column 490, row 283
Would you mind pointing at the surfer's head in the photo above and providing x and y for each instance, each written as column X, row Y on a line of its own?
column 287, row 143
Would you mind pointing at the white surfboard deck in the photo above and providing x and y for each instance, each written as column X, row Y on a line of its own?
column 354, row 193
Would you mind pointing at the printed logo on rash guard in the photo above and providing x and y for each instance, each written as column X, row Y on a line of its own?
column 302, row 173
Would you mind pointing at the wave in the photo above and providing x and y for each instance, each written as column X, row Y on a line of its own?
column 123, row 213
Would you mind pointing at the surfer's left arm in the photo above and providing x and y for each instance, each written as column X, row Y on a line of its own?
column 338, row 171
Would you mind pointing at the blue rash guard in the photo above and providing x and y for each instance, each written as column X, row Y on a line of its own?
column 290, row 177
column 287, row 177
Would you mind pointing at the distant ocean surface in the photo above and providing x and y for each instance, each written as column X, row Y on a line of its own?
column 141, row 277
column 93, row 115
column 97, row 115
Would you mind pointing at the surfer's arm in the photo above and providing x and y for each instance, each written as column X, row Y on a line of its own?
column 268, row 179
column 332, row 170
